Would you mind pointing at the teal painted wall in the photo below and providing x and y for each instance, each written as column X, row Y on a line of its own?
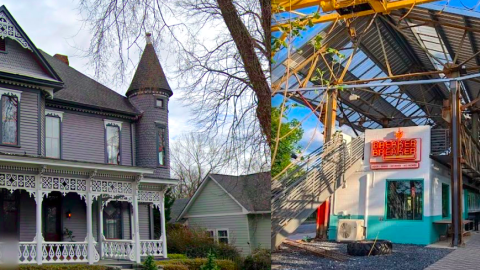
column 421, row 232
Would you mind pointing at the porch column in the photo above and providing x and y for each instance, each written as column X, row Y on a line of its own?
column 100, row 225
column 39, row 236
column 136, row 227
column 91, row 245
column 162, row 220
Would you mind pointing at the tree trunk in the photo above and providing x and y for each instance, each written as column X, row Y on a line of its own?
column 246, row 47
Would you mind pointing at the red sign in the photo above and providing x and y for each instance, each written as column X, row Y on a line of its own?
column 395, row 154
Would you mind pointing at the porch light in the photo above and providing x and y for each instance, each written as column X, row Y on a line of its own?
column 69, row 214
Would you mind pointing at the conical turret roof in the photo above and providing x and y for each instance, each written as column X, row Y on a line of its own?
column 149, row 73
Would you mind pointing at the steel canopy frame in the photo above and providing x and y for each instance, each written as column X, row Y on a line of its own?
column 420, row 46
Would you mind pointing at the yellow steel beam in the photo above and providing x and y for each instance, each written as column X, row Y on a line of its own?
column 377, row 7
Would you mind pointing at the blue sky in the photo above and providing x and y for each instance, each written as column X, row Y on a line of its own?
column 310, row 125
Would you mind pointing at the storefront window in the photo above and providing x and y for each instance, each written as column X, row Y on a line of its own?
column 404, row 200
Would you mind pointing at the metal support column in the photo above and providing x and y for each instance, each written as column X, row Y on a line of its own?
column 456, row 164
column 328, row 131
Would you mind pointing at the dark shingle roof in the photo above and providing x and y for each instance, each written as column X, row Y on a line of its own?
column 177, row 208
column 149, row 73
column 251, row 191
column 80, row 88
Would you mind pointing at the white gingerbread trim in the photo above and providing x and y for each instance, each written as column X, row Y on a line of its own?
column 11, row 31
column 54, row 113
column 112, row 123
column 11, row 92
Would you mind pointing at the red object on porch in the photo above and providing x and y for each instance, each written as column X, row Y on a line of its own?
column 322, row 214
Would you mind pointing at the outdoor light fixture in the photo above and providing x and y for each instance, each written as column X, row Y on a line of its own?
column 353, row 97
column 69, row 214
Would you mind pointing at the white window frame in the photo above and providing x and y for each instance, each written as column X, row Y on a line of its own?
column 55, row 116
column 218, row 238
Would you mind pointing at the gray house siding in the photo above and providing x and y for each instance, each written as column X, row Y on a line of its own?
column 83, row 138
column 144, row 220
column 78, row 222
column 27, row 217
column 236, row 225
column 260, row 226
column 126, row 220
column 213, row 200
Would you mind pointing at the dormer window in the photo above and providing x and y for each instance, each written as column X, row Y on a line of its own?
column 112, row 141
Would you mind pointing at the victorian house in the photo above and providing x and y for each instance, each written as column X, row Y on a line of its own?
column 82, row 169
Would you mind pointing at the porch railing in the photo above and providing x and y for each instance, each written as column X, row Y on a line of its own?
column 63, row 252
column 27, row 252
column 151, row 247
column 118, row 249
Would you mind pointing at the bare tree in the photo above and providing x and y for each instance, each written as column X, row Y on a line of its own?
column 193, row 157
column 221, row 48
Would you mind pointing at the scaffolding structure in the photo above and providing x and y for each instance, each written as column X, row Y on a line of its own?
column 374, row 64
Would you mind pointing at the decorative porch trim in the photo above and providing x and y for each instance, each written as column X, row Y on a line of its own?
column 64, row 184
column 153, row 197
column 15, row 181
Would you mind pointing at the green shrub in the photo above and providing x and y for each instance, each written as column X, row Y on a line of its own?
column 259, row 260
column 175, row 267
column 195, row 243
column 63, row 267
column 177, row 256
column 195, row 264
column 149, row 264
column 211, row 263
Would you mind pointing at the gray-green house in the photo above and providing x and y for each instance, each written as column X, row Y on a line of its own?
column 234, row 209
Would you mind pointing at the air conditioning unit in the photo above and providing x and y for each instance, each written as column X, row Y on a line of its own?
column 350, row 230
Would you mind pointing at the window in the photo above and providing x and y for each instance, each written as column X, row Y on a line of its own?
column 445, row 200
column 52, row 137
column 112, row 220
column 113, row 144
column 3, row 47
column 160, row 103
column 222, row 236
column 211, row 233
column 161, row 146
column 9, row 120
column 404, row 200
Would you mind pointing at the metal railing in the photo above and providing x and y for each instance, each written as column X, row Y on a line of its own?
column 292, row 193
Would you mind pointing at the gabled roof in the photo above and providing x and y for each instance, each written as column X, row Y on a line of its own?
column 37, row 71
column 251, row 192
column 81, row 89
column 149, row 73
column 177, row 208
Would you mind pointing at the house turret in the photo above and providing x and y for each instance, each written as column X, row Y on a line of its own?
column 149, row 92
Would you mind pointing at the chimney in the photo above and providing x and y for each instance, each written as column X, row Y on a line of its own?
column 148, row 38
column 62, row 58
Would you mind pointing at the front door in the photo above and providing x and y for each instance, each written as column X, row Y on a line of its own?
column 52, row 219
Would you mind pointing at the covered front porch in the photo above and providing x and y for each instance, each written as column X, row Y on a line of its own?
column 53, row 212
